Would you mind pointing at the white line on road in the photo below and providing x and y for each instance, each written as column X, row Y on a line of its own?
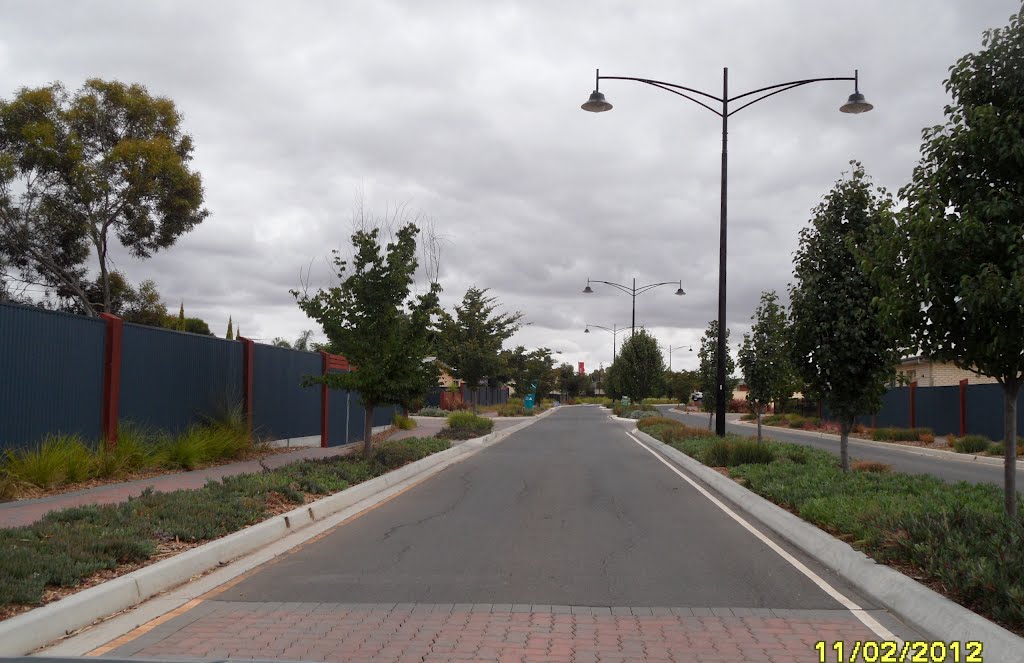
column 857, row 611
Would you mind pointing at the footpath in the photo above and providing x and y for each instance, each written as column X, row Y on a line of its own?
column 27, row 511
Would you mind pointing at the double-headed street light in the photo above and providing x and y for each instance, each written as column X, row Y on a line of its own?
column 598, row 104
column 633, row 292
column 614, row 331
column 675, row 349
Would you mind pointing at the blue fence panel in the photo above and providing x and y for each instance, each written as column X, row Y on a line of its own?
column 345, row 418
column 985, row 410
column 434, row 397
column 938, row 408
column 51, row 375
column 171, row 379
column 282, row 407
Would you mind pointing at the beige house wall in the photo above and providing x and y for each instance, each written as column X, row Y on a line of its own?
column 929, row 373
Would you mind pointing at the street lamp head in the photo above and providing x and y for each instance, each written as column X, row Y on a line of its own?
column 856, row 104
column 680, row 292
column 586, row 330
column 587, row 290
column 596, row 103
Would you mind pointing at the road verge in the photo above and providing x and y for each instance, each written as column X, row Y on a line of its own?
column 921, row 607
column 29, row 631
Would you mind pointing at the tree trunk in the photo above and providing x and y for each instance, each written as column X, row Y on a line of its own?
column 759, row 410
column 1010, row 390
column 368, row 430
column 845, row 426
column 711, row 416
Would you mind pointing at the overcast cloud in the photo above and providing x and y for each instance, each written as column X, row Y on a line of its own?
column 468, row 113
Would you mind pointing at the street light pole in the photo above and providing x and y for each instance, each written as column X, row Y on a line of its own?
column 598, row 104
column 671, row 350
column 614, row 331
column 633, row 292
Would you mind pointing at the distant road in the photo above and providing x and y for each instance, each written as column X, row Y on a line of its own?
column 901, row 458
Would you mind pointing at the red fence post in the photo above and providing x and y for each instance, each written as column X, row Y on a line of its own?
column 913, row 403
column 248, row 366
column 111, row 377
column 324, row 400
column 963, row 407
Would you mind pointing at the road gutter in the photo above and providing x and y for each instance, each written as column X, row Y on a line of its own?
column 42, row 626
column 921, row 607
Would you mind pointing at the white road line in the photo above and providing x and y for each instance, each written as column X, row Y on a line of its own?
column 858, row 612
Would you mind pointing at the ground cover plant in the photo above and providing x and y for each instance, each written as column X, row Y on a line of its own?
column 66, row 547
column 955, row 536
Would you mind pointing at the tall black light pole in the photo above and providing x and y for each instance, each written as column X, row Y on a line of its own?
column 614, row 331
column 633, row 292
column 598, row 104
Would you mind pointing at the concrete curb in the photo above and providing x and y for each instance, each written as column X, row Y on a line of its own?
column 923, row 608
column 29, row 631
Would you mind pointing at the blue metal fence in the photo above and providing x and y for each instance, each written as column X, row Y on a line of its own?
column 282, row 407
column 51, row 375
column 171, row 379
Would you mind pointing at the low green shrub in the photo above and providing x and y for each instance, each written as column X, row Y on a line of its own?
column 775, row 420
column 749, row 416
column 640, row 414
column 972, row 444
column 732, row 451
column 403, row 422
column 465, row 426
column 431, row 411
column 660, row 401
column 595, row 400
column 902, row 434
column 57, row 460
column 515, row 408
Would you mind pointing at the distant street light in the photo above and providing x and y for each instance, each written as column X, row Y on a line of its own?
column 671, row 350
column 598, row 104
column 614, row 331
column 633, row 292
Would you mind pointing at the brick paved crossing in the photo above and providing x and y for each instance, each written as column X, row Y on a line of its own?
column 424, row 633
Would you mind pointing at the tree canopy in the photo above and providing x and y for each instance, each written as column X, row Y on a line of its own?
column 708, row 369
column 470, row 341
column 639, row 369
column 837, row 345
column 110, row 159
column 372, row 318
column 950, row 264
column 764, row 357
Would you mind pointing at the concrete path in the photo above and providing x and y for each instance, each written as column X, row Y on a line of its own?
column 566, row 542
column 902, row 458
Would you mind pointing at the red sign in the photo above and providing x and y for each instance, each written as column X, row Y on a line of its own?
column 582, row 372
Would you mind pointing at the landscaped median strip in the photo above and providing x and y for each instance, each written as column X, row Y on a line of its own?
column 918, row 605
column 26, row 632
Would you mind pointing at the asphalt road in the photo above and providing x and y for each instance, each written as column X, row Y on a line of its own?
column 569, row 511
column 902, row 459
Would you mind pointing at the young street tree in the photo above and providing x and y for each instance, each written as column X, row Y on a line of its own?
column 525, row 369
column 470, row 341
column 764, row 358
column 950, row 265
column 708, row 369
column 639, row 369
column 681, row 384
column 74, row 170
column 373, row 320
column 837, row 345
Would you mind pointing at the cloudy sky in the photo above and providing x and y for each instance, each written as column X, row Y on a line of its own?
column 467, row 113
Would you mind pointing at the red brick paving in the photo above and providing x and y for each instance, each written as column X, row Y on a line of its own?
column 446, row 634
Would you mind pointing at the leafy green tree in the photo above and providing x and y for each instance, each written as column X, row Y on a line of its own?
column 122, row 296
column 680, row 385
column 180, row 325
column 75, row 169
column 303, row 341
column 470, row 341
column 197, row 326
column 524, row 369
column 764, row 358
column 837, row 345
column 231, row 334
column 372, row 319
column 281, row 342
column 146, row 308
column 950, row 265
column 639, row 369
column 707, row 372
column 570, row 382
